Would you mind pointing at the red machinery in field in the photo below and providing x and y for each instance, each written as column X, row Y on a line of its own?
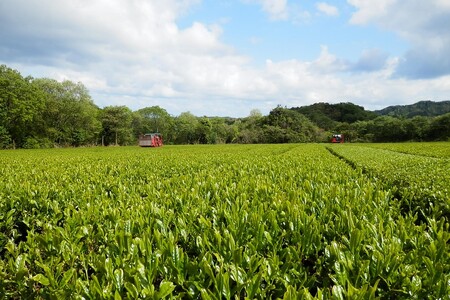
column 150, row 140
column 337, row 138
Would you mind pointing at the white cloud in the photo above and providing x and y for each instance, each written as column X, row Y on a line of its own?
column 277, row 9
column 282, row 10
column 443, row 4
column 424, row 24
column 327, row 9
column 371, row 60
column 328, row 63
column 133, row 53
column 369, row 10
column 127, row 48
column 300, row 83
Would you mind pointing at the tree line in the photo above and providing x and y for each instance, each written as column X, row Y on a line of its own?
column 422, row 121
column 44, row 113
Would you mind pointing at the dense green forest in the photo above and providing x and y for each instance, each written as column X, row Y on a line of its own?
column 43, row 113
column 422, row 108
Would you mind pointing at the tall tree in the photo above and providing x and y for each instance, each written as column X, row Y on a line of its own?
column 417, row 128
column 155, row 119
column 440, row 128
column 71, row 117
column 288, row 126
column 117, row 125
column 250, row 128
column 20, row 107
column 221, row 131
column 203, row 131
column 185, row 128
column 389, row 129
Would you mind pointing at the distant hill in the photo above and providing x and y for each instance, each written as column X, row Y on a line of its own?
column 327, row 115
column 422, row 108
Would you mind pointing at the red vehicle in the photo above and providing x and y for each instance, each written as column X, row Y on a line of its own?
column 337, row 138
column 150, row 140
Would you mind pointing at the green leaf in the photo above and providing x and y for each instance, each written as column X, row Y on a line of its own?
column 224, row 279
column 165, row 289
column 338, row 292
column 67, row 276
column 83, row 286
column 268, row 236
column 20, row 263
column 132, row 290
column 21, row 269
column 11, row 247
column 109, row 267
column 205, row 295
column 96, row 286
column 254, row 286
column 118, row 276
column 373, row 289
column 290, row 293
column 41, row 279
column 237, row 274
column 117, row 296
column 416, row 283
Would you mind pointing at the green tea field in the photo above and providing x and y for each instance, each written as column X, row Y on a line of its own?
column 288, row 221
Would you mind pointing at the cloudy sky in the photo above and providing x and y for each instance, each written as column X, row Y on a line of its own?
column 227, row 57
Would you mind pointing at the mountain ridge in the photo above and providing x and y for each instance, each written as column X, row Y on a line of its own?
column 426, row 108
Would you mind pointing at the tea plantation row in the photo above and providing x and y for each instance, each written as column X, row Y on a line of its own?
column 219, row 222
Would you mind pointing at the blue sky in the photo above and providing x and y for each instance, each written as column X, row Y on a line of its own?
column 253, row 32
column 227, row 57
